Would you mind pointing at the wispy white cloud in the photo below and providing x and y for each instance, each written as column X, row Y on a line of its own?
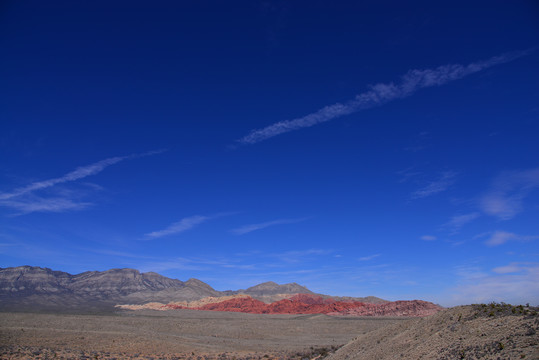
column 508, row 269
column 459, row 221
column 256, row 262
column 428, row 238
column 241, row 267
column 117, row 254
column 298, row 254
column 446, row 179
column 253, row 227
column 380, row 94
column 39, row 204
column 208, row 263
column 370, row 257
column 499, row 237
column 294, row 256
column 4, row 247
column 179, row 226
column 35, row 252
column 508, row 284
column 506, row 195
column 167, row 265
column 185, row 224
column 408, row 174
column 419, row 142
column 78, row 173
column 25, row 200
column 304, row 252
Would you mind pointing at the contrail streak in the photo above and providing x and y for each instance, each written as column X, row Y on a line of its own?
column 380, row 94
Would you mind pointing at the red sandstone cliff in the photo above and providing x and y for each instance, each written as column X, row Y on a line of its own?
column 311, row 304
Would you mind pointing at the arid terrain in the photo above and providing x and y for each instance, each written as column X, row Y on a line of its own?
column 298, row 304
column 34, row 289
column 178, row 334
column 125, row 314
column 31, row 288
column 493, row 331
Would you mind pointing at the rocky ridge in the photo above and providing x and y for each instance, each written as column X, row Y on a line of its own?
column 36, row 288
column 299, row 304
column 493, row 332
column 31, row 288
column 195, row 304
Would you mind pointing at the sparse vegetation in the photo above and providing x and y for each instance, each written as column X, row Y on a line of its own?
column 502, row 309
column 185, row 335
column 23, row 352
column 481, row 331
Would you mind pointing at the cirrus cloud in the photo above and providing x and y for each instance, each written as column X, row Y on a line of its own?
column 505, row 198
column 47, row 196
column 253, row 227
column 380, row 94
column 499, row 237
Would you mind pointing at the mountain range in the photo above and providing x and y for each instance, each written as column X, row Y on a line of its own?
column 28, row 288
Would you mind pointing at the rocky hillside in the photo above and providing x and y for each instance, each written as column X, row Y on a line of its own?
column 270, row 292
column 35, row 288
column 272, row 288
column 494, row 331
column 116, row 282
column 28, row 287
column 299, row 304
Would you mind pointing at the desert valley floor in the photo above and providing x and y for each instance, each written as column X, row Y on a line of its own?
column 178, row 333
column 493, row 331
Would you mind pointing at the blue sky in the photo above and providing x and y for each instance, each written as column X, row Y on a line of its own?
column 376, row 148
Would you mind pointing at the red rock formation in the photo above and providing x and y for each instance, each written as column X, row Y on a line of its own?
column 311, row 299
column 245, row 304
column 309, row 304
column 287, row 306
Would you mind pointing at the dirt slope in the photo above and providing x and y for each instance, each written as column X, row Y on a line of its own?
column 464, row 332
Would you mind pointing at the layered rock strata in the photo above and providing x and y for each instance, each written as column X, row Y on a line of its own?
column 301, row 304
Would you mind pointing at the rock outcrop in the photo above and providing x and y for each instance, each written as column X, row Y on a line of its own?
column 309, row 304
column 413, row 308
column 272, row 288
column 488, row 332
column 299, row 304
column 196, row 304
column 34, row 288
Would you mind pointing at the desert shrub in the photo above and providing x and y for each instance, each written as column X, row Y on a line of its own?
column 494, row 309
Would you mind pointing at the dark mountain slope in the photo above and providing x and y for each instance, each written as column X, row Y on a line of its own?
column 271, row 288
column 26, row 288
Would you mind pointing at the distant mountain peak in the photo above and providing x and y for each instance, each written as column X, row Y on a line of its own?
column 199, row 284
column 151, row 273
column 268, row 283
column 272, row 288
column 35, row 288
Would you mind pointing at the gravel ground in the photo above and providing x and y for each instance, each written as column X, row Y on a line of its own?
column 494, row 331
column 177, row 334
